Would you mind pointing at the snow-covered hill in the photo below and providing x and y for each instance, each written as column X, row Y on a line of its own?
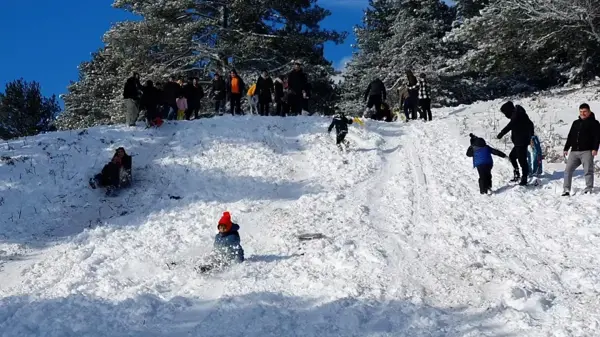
column 412, row 248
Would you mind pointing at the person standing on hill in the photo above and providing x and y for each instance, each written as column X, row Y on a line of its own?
column 375, row 95
column 194, row 93
column 218, row 92
column 424, row 98
column 410, row 104
column 583, row 141
column 235, row 89
column 522, row 129
column 132, row 94
column 264, row 89
column 297, row 88
column 171, row 92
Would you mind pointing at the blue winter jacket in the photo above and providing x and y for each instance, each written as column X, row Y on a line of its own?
column 534, row 159
column 481, row 152
column 228, row 248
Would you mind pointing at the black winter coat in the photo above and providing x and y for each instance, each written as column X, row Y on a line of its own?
column 171, row 91
column 584, row 135
column 219, row 89
column 297, row 82
column 193, row 95
column 151, row 98
column 376, row 88
column 132, row 89
column 264, row 89
column 520, row 126
column 279, row 93
column 340, row 123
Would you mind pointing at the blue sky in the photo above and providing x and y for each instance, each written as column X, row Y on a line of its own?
column 45, row 41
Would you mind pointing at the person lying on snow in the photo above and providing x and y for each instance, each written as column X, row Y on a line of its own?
column 340, row 122
column 227, row 248
column 115, row 174
column 483, row 162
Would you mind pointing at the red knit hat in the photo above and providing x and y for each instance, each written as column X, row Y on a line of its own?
column 226, row 220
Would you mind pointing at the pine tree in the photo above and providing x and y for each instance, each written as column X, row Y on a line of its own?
column 24, row 111
column 196, row 38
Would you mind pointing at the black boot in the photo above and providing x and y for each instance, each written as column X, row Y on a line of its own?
column 523, row 181
column 517, row 176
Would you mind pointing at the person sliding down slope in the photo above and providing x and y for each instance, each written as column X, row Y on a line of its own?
column 340, row 122
column 227, row 247
column 115, row 174
column 483, row 162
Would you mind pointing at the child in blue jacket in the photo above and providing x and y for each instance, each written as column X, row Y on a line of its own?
column 227, row 247
column 483, row 162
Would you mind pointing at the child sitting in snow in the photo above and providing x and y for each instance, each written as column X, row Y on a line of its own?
column 534, row 159
column 482, row 160
column 227, row 247
column 340, row 122
column 115, row 174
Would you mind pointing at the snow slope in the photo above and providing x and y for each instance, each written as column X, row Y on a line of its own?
column 412, row 249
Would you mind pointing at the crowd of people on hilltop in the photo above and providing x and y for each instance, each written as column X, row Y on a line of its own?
column 177, row 99
column 414, row 96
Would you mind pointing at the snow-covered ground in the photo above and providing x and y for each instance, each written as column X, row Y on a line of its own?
column 412, row 248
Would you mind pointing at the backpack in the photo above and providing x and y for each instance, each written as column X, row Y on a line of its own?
column 252, row 90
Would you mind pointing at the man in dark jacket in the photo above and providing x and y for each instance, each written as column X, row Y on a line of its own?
column 264, row 89
column 375, row 95
column 132, row 94
column 218, row 91
column 193, row 92
column 171, row 91
column 583, row 141
column 150, row 100
column 297, row 86
column 522, row 129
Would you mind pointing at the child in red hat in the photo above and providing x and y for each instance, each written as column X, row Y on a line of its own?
column 227, row 247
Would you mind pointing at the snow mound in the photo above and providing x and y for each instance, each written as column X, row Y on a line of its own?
column 408, row 246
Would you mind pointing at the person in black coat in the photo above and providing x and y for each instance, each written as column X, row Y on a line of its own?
column 583, row 141
column 412, row 101
column 132, row 94
column 194, row 93
column 375, row 95
column 218, row 92
column 115, row 174
column 297, row 86
column 264, row 89
column 151, row 98
column 171, row 91
column 340, row 122
column 522, row 129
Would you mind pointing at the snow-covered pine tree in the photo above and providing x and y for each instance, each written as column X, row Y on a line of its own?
column 194, row 37
column 534, row 45
column 367, row 61
column 399, row 35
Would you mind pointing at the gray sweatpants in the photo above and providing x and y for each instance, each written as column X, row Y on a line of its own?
column 131, row 111
column 577, row 158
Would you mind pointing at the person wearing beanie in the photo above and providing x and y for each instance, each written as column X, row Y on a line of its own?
column 340, row 122
column 227, row 248
column 483, row 162
column 522, row 129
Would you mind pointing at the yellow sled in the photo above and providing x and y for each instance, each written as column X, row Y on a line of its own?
column 357, row 120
